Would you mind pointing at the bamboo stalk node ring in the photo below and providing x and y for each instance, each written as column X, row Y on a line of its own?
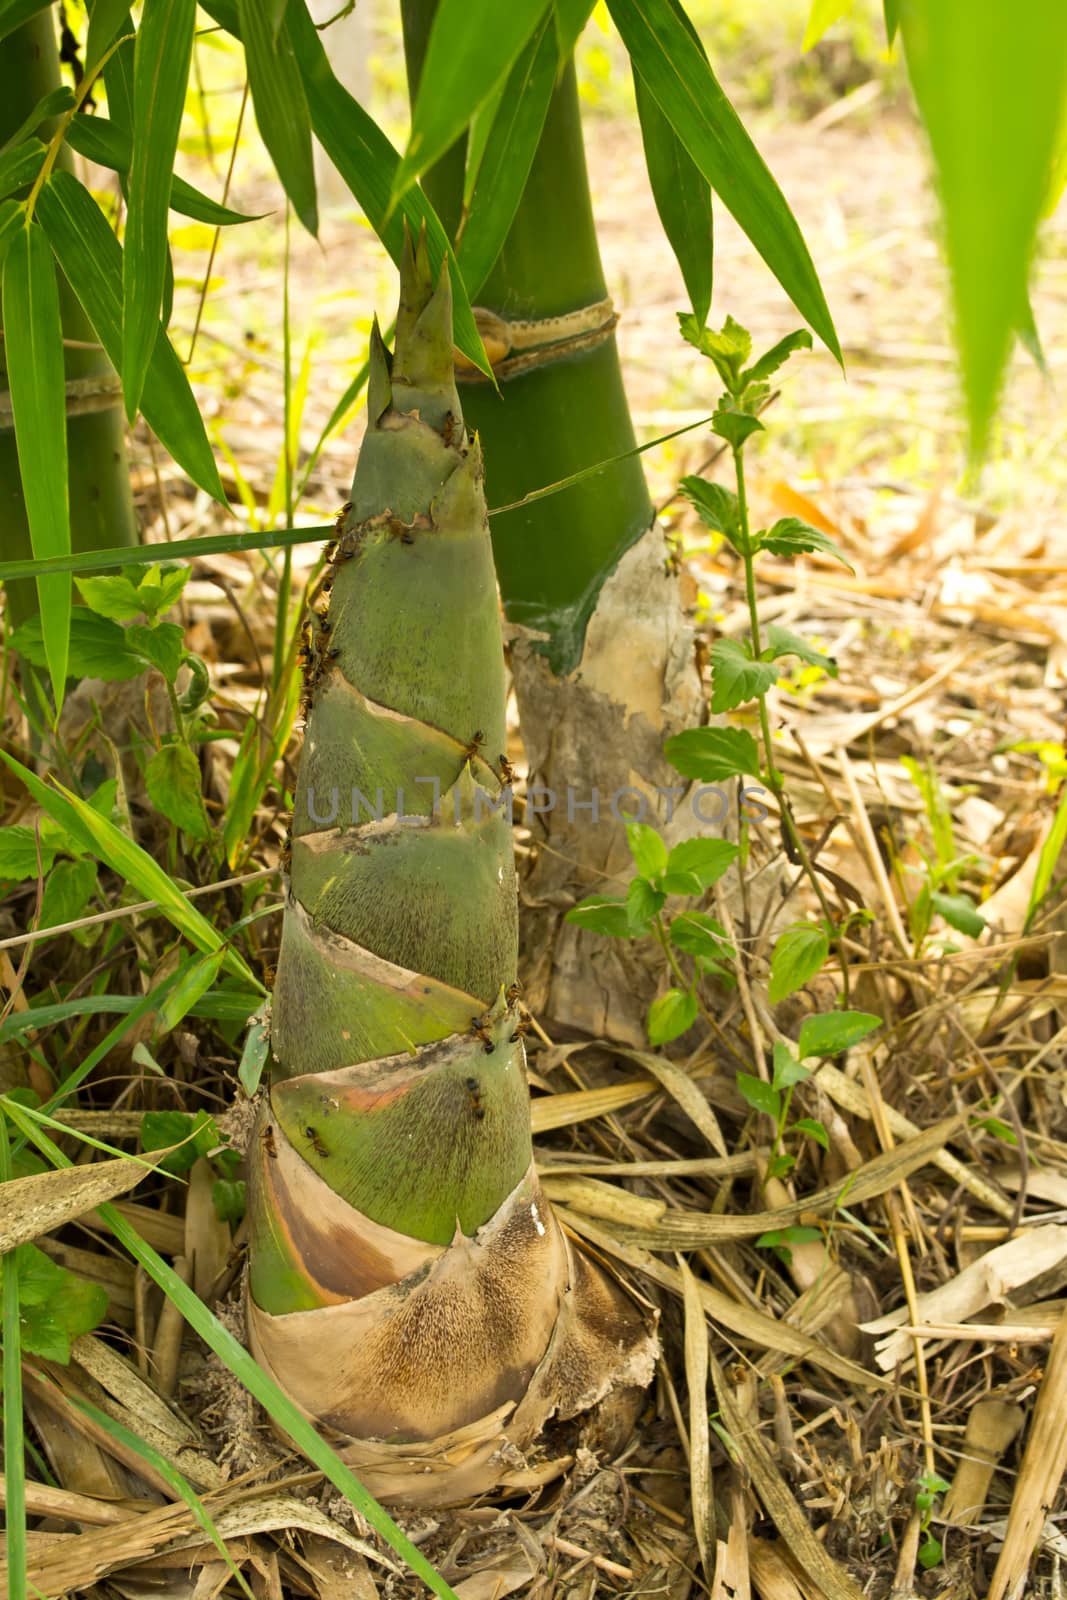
column 514, row 347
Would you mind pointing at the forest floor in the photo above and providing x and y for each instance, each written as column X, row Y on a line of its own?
column 932, row 763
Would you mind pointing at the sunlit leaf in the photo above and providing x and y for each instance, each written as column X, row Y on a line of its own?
column 990, row 81
column 683, row 198
column 822, row 16
column 689, row 95
column 712, row 754
column 798, row 954
column 110, row 145
column 161, row 60
column 280, row 104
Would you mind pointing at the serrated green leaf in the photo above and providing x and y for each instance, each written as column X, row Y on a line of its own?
column 110, row 145
column 163, row 645
column 507, row 156
column 707, row 860
column 647, row 849
column 799, row 952
column 682, row 196
column 92, row 261
column 690, row 96
column 602, row 914
column 643, row 901
column 777, row 355
column 98, row 647
column 787, row 1071
column 229, row 1199
column 992, row 172
column 759, row 1095
column 472, row 45
column 715, row 506
column 813, row 1129
column 791, row 537
column 735, row 426
column 713, row 754
column 161, row 59
column 69, row 887
column 700, row 935
column 172, row 779
column 18, row 853
column 833, row 1031
column 781, row 642
column 195, row 1135
column 115, row 597
column 735, row 677
column 960, row 912
column 670, row 1015
column 33, row 342
column 55, row 1305
column 281, row 106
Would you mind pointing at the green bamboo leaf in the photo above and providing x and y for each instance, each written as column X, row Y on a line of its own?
column 367, row 162
column 992, row 171
column 507, row 157
column 92, row 261
column 891, row 11
column 570, row 18
column 20, row 165
column 111, row 146
column 161, row 60
column 52, row 104
column 823, row 15
column 691, row 98
column 280, row 104
column 13, row 13
column 33, row 339
column 106, row 18
column 681, row 193
column 472, row 45
column 98, row 836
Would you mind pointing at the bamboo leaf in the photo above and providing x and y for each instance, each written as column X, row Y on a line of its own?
column 681, row 193
column 97, row 835
column 280, row 104
column 33, row 341
column 472, row 45
column 92, row 261
column 508, row 156
column 106, row 17
column 570, row 17
column 992, row 171
column 691, row 98
column 13, row 13
column 366, row 161
column 891, row 11
column 161, row 60
column 822, row 16
column 110, row 145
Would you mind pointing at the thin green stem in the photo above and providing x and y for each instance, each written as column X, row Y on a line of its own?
column 774, row 777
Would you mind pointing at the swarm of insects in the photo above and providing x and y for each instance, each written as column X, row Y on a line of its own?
column 480, row 1028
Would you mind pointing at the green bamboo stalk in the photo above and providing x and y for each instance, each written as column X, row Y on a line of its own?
column 101, row 504
column 552, row 556
column 407, row 1277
